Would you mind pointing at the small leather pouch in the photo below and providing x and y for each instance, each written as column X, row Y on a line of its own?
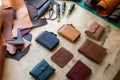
column 42, row 71
column 94, row 30
column 69, row 32
column 62, row 57
column 79, row 71
column 92, row 51
column 48, row 40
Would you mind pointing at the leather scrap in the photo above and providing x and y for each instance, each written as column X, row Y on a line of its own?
column 62, row 57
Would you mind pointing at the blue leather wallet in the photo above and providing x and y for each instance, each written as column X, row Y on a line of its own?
column 48, row 40
column 42, row 71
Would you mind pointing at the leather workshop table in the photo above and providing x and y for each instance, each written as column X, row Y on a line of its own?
column 19, row 70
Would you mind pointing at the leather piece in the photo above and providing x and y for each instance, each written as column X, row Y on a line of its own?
column 105, row 7
column 79, row 71
column 91, row 4
column 47, row 40
column 95, row 30
column 25, row 31
column 17, row 41
column 93, row 51
column 117, row 77
column 69, row 32
column 37, row 3
column 20, row 53
column 115, row 16
column 62, row 57
column 42, row 71
column 7, row 18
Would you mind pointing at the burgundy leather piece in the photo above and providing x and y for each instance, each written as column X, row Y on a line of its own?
column 7, row 18
column 36, row 3
column 19, row 53
column 79, row 71
column 17, row 41
column 32, row 11
column 93, row 51
column 62, row 57
column 25, row 31
column 95, row 30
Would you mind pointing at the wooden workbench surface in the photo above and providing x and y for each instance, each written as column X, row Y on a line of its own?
column 19, row 70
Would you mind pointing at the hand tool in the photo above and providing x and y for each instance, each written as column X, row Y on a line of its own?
column 63, row 7
column 70, row 9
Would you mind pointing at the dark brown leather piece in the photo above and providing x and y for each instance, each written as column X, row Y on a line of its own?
column 91, row 4
column 79, row 71
column 62, row 57
column 117, row 77
column 69, row 32
column 7, row 18
column 94, row 30
column 93, row 51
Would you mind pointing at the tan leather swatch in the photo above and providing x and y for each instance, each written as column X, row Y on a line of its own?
column 62, row 57
column 105, row 7
column 69, row 32
column 94, row 30
column 92, row 51
column 23, row 19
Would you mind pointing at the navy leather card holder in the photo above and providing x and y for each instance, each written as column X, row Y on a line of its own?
column 48, row 40
column 42, row 71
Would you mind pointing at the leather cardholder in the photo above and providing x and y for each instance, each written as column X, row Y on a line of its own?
column 42, row 71
column 94, row 30
column 79, row 71
column 69, row 32
column 48, row 40
column 93, row 51
column 62, row 57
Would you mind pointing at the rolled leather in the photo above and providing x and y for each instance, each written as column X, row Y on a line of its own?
column 105, row 7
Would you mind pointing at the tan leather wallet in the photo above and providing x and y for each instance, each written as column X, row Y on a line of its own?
column 94, row 30
column 69, row 32
column 93, row 51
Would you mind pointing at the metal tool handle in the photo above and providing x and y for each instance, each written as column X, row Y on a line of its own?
column 63, row 6
column 71, row 8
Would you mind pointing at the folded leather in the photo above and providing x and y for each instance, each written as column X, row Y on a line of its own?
column 79, row 71
column 93, row 51
column 42, row 71
column 62, row 57
column 94, row 30
column 105, row 7
column 69, row 32
column 48, row 40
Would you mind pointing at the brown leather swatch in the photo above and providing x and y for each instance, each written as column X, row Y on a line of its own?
column 62, row 57
column 69, row 32
column 105, row 7
column 93, row 51
column 94, row 30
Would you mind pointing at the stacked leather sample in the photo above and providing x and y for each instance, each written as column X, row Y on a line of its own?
column 42, row 71
column 69, row 32
column 93, row 51
column 48, row 40
column 2, row 51
column 79, row 71
column 95, row 30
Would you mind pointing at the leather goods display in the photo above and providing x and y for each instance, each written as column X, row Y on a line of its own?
column 117, row 77
column 79, row 71
column 91, row 4
column 94, row 30
column 105, row 7
column 62, row 57
column 42, row 71
column 115, row 16
column 69, row 32
column 22, row 49
column 93, row 51
column 48, row 40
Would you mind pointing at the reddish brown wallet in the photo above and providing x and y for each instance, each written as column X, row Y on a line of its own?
column 92, row 51
column 79, row 71
column 69, row 32
column 94, row 30
column 62, row 57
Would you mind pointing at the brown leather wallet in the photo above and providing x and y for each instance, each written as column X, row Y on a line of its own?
column 92, row 51
column 62, row 57
column 94, row 30
column 69, row 32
